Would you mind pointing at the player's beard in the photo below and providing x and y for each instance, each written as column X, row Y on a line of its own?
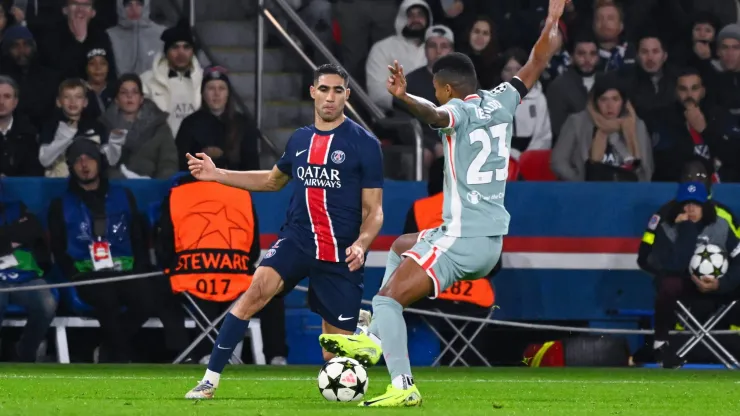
column 410, row 33
column 584, row 73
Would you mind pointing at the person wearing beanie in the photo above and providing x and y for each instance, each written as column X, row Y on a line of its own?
column 37, row 84
column 217, row 129
column 606, row 141
column 65, row 46
column 136, row 39
column 725, row 87
column 149, row 148
column 96, row 232
column 99, row 95
column 174, row 82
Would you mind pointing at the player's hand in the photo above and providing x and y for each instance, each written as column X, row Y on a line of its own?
column 556, row 9
column 355, row 256
column 397, row 80
column 202, row 167
column 706, row 284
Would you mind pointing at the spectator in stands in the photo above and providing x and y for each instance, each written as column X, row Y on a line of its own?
column 440, row 41
column 136, row 39
column 531, row 129
column 217, row 129
column 727, row 83
column 181, row 245
column 7, row 19
column 99, row 96
column 694, row 127
column 605, row 142
column 701, row 53
column 174, row 82
column 68, row 124
column 38, row 84
column 24, row 260
column 360, row 34
column 482, row 48
column 19, row 146
column 568, row 93
column 149, row 149
column 561, row 61
column 406, row 46
column 615, row 52
column 65, row 47
column 652, row 83
column 696, row 170
column 693, row 221
column 96, row 232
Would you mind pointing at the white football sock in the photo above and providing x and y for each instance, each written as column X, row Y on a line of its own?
column 375, row 339
column 403, row 381
column 212, row 377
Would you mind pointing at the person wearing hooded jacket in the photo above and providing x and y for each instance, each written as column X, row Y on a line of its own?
column 406, row 46
column 136, row 38
column 149, row 149
column 217, row 129
column 174, row 81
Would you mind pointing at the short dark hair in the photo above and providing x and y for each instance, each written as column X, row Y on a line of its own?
column 457, row 70
column 330, row 69
column 687, row 72
column 583, row 36
column 6, row 80
column 651, row 34
column 70, row 84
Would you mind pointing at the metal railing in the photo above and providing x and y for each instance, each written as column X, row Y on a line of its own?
column 188, row 11
column 375, row 112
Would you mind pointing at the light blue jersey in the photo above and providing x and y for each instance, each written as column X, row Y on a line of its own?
column 477, row 143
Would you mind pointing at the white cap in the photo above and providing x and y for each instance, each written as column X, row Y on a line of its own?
column 440, row 30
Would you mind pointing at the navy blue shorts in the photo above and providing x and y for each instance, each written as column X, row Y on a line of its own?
column 334, row 292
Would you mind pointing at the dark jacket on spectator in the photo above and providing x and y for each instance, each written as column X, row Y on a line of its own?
column 725, row 88
column 149, row 149
column 38, row 87
column 95, row 202
column 675, row 244
column 674, row 145
column 60, row 50
column 97, row 104
column 650, row 96
column 566, row 95
column 203, row 129
column 26, row 231
column 19, row 149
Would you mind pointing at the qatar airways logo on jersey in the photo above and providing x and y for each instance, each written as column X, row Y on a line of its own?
column 319, row 177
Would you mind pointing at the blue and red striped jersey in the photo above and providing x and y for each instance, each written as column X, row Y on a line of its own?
column 329, row 170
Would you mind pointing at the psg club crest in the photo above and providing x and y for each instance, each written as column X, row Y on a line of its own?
column 337, row 156
column 270, row 253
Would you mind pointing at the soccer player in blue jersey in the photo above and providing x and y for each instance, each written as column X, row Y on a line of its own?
column 476, row 128
column 335, row 212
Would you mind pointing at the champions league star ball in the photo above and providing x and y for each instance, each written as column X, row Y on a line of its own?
column 342, row 380
column 708, row 260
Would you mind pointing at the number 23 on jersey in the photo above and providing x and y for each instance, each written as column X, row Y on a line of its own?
column 476, row 175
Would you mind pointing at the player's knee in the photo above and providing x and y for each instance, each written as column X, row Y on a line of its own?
column 403, row 243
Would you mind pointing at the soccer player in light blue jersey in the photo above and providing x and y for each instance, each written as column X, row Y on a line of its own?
column 475, row 127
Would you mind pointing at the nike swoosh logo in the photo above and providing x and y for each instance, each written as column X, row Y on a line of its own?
column 345, row 319
column 222, row 348
column 301, row 152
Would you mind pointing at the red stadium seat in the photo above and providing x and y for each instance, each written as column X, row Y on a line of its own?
column 513, row 170
column 534, row 165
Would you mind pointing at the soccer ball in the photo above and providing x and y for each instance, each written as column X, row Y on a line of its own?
column 708, row 260
column 342, row 379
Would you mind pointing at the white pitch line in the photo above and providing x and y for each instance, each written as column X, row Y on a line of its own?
column 305, row 379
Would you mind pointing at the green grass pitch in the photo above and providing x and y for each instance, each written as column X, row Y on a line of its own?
column 93, row 390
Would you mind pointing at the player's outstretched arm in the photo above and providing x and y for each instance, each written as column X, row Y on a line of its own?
column 546, row 46
column 202, row 168
column 422, row 109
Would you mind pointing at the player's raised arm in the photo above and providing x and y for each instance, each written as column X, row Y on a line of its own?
column 202, row 168
column 422, row 109
column 546, row 46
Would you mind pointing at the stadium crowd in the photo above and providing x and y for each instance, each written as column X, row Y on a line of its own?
column 639, row 88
